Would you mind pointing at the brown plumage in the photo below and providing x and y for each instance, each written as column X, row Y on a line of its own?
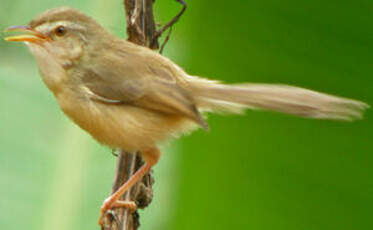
column 130, row 97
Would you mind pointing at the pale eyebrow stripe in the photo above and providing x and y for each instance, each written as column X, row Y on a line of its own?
column 47, row 25
column 74, row 26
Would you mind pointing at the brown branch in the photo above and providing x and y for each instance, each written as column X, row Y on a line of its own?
column 140, row 23
column 141, row 30
column 122, row 219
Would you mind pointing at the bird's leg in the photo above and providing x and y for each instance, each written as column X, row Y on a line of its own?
column 151, row 157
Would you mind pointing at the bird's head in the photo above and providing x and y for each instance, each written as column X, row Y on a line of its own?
column 62, row 33
column 59, row 38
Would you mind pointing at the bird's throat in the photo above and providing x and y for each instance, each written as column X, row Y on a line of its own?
column 52, row 72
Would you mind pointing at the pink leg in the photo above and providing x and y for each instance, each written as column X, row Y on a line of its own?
column 151, row 158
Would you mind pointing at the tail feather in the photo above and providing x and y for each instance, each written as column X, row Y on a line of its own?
column 215, row 97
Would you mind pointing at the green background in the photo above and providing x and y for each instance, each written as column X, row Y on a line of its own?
column 259, row 171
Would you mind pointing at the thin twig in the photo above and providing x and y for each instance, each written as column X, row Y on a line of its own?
column 172, row 22
column 114, row 153
column 165, row 40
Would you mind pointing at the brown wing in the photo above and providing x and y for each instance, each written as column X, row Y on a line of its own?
column 118, row 79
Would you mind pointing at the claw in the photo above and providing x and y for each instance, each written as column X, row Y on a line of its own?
column 108, row 205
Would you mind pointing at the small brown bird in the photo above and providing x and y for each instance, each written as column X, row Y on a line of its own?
column 130, row 97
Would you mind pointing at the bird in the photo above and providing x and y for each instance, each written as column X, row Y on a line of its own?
column 130, row 97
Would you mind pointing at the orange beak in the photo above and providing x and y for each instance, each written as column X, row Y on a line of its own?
column 31, row 36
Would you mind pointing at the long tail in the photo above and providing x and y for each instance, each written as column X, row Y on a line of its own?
column 216, row 97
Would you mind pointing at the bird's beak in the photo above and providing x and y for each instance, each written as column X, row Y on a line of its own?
column 31, row 36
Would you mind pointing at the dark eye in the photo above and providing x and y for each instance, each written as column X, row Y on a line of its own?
column 60, row 31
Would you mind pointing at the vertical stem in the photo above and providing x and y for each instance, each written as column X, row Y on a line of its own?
column 140, row 30
column 140, row 22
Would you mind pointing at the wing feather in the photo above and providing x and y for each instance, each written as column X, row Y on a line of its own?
column 118, row 78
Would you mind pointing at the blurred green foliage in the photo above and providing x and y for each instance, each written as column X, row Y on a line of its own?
column 258, row 171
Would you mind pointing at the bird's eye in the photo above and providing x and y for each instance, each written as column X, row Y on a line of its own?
column 60, row 31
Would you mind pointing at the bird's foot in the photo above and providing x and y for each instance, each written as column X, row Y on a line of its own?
column 109, row 204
